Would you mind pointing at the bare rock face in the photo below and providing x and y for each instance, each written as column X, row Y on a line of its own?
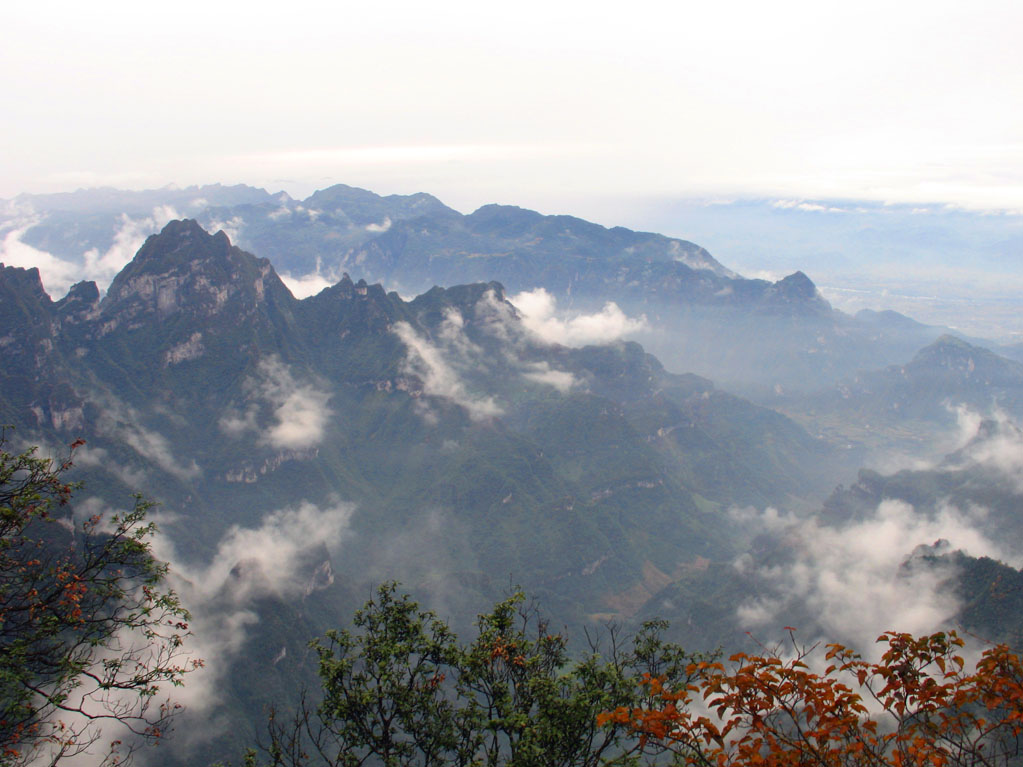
column 79, row 308
column 184, row 268
column 186, row 350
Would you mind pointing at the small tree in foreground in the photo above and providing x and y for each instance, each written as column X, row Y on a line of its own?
column 920, row 706
column 86, row 634
column 399, row 689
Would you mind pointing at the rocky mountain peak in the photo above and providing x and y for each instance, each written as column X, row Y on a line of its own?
column 506, row 220
column 365, row 207
column 184, row 266
column 346, row 289
column 85, row 292
column 951, row 356
column 80, row 303
column 888, row 319
column 182, row 240
column 795, row 295
column 947, row 351
column 463, row 297
column 23, row 281
column 796, row 286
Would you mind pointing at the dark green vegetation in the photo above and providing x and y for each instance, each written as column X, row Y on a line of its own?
column 91, row 643
column 399, row 688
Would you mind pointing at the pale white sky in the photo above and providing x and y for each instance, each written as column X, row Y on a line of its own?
column 550, row 104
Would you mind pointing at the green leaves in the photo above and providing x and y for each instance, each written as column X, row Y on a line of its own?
column 384, row 690
column 399, row 689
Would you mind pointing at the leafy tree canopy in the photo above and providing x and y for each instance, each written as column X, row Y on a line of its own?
column 88, row 636
column 401, row 689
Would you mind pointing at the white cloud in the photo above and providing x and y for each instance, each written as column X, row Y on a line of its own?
column 851, row 578
column 300, row 419
column 811, row 207
column 452, row 333
column 498, row 319
column 98, row 457
column 59, row 274
column 542, row 372
column 765, row 274
column 305, row 285
column 381, row 227
column 124, row 423
column 860, row 577
column 266, row 559
column 282, row 212
column 440, row 379
column 1000, row 450
column 128, row 238
column 298, row 411
column 276, row 558
column 234, row 424
column 156, row 448
column 917, row 107
column 232, row 227
column 312, row 283
column 395, row 155
column 539, row 315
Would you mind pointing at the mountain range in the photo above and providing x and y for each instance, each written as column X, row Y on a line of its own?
column 752, row 336
column 305, row 449
column 437, row 441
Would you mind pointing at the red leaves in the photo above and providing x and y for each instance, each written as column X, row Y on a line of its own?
column 771, row 712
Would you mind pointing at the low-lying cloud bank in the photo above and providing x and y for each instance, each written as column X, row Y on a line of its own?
column 436, row 369
column 993, row 444
column 275, row 559
column 854, row 579
column 306, row 285
column 447, row 362
column 297, row 411
column 123, row 423
column 538, row 309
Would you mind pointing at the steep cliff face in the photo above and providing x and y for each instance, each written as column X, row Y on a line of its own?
column 35, row 386
column 27, row 317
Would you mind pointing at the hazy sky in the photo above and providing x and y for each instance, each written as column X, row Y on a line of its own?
column 552, row 105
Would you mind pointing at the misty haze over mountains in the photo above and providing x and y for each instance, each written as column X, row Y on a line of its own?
column 410, row 243
column 615, row 420
column 939, row 264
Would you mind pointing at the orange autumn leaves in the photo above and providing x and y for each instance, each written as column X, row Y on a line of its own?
column 919, row 706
